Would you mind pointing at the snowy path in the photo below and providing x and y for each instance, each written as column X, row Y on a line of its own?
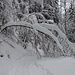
column 60, row 66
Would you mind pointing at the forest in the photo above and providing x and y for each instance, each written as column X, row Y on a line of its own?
column 44, row 26
column 41, row 28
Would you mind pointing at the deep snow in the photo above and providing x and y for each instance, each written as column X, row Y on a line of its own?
column 60, row 66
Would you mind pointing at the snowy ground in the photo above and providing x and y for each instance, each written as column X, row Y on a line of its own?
column 60, row 66
column 17, row 61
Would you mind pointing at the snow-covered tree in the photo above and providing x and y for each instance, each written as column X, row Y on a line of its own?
column 71, row 22
column 53, row 6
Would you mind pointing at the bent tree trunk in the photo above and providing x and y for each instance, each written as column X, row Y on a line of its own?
column 36, row 27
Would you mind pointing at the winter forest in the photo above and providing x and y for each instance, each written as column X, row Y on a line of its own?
column 37, row 37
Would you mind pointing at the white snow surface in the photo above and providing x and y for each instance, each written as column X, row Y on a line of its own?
column 54, row 27
column 59, row 66
column 29, row 66
column 24, row 61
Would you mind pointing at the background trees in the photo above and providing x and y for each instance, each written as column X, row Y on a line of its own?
column 71, row 22
column 35, row 7
column 53, row 9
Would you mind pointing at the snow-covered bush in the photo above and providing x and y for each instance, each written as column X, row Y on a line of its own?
column 41, row 41
column 49, row 39
column 68, row 48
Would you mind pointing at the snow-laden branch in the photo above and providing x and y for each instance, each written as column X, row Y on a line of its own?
column 46, row 31
column 36, row 27
column 54, row 27
column 21, row 23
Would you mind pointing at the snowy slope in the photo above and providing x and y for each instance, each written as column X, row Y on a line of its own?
column 60, row 66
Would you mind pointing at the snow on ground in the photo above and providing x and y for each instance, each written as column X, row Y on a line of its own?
column 59, row 66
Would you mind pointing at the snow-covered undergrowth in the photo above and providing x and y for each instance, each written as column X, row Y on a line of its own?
column 12, row 50
column 68, row 47
column 47, row 37
column 35, row 28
